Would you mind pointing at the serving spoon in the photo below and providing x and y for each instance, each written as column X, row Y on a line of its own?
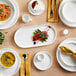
column 25, row 57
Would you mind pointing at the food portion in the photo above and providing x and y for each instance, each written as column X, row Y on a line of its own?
column 4, row 12
column 40, row 35
column 7, row 59
column 2, row 37
column 68, row 51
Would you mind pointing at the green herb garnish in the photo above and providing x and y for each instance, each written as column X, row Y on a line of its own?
column 41, row 35
column 37, row 31
column 2, row 37
column 42, row 40
column 67, row 50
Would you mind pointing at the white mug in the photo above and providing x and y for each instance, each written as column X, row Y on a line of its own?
column 26, row 18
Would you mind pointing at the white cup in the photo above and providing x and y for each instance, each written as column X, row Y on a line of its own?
column 26, row 18
column 40, row 57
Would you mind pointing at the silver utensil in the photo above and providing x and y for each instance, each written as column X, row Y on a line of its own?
column 25, row 57
column 51, row 12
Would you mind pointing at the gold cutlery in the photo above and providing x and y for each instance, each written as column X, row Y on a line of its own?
column 51, row 12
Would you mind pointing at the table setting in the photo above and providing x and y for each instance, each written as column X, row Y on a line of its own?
column 37, row 37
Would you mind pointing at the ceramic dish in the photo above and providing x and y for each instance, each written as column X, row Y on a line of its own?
column 23, row 36
column 13, row 16
column 37, row 12
column 46, row 63
column 15, row 68
column 67, row 12
column 66, row 61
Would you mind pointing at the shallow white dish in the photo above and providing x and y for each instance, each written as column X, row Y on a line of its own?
column 23, row 36
column 67, row 12
column 14, row 14
column 46, row 63
column 66, row 61
column 35, row 12
column 14, row 69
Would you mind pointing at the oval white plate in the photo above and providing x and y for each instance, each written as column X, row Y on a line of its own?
column 14, row 14
column 45, row 64
column 23, row 36
column 31, row 11
column 14, row 69
column 67, row 12
column 63, row 62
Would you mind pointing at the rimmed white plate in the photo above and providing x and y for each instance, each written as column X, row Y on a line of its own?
column 23, row 36
column 15, row 68
column 67, row 12
column 32, row 11
column 45, row 64
column 14, row 14
column 66, row 61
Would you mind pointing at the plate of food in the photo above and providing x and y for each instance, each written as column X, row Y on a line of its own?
column 9, row 62
column 66, row 54
column 9, row 13
column 35, row 36
column 36, row 7
column 66, row 6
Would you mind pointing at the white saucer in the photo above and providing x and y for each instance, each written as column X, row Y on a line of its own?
column 32, row 11
column 66, row 61
column 45, row 64
column 14, row 14
column 67, row 12
column 15, row 68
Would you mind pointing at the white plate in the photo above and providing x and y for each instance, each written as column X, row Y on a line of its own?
column 15, row 68
column 45, row 64
column 32, row 11
column 23, row 36
column 66, row 61
column 14, row 14
column 67, row 12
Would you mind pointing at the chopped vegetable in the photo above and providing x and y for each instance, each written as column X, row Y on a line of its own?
column 2, row 37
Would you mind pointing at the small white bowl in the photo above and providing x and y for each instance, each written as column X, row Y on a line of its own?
column 26, row 18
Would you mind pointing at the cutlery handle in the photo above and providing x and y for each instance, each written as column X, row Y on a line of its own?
column 25, row 67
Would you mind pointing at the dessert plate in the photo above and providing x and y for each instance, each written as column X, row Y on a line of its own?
column 66, row 61
column 44, row 64
column 23, row 36
column 67, row 12
column 14, row 14
column 14, row 69
column 37, row 11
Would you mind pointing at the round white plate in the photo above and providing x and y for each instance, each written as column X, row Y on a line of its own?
column 15, row 68
column 45, row 64
column 23, row 36
column 66, row 61
column 32, row 12
column 14, row 14
column 67, row 12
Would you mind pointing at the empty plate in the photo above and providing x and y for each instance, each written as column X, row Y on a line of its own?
column 67, row 12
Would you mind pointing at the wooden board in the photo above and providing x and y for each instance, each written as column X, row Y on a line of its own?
column 28, row 65
column 55, row 12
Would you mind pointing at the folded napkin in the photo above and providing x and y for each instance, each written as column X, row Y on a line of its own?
column 55, row 13
column 28, row 65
